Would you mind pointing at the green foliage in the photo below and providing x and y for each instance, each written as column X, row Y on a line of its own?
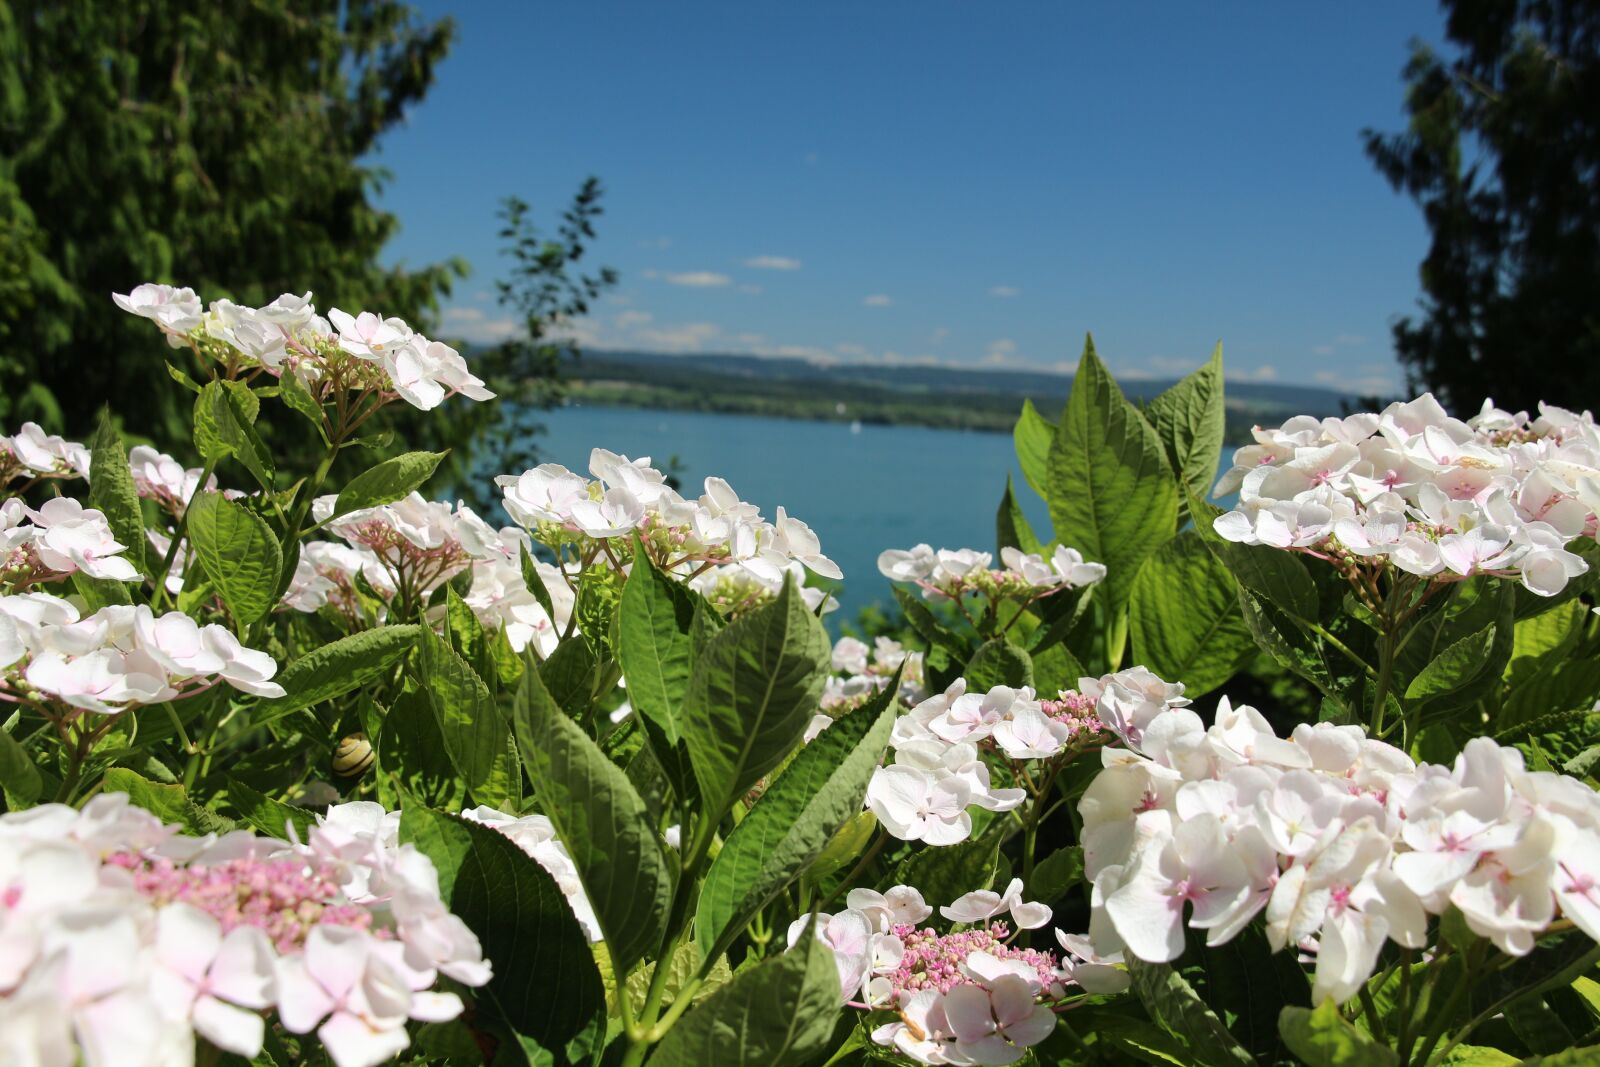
column 238, row 553
column 1184, row 617
column 388, row 481
column 1322, row 1038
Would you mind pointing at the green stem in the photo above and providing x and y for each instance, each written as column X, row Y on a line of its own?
column 159, row 593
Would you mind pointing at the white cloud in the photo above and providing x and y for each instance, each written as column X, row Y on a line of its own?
column 1343, row 340
column 697, row 279
column 1368, row 379
column 750, row 338
column 628, row 319
column 1005, row 292
column 1000, row 352
column 853, row 350
column 876, row 300
column 748, row 288
column 474, row 325
column 685, row 337
column 773, row 263
column 1266, row 372
column 939, row 334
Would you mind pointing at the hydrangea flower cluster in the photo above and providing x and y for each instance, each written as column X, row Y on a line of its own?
column 380, row 356
column 939, row 770
column 412, row 547
column 861, row 670
column 1341, row 840
column 1432, row 495
column 955, row 573
column 119, row 657
column 715, row 541
column 121, row 940
column 159, row 477
column 34, row 454
column 56, row 540
column 966, row 996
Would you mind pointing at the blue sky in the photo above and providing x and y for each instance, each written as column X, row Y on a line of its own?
column 965, row 183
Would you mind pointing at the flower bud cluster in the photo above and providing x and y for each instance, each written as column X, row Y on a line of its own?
column 966, row 996
column 119, row 657
column 364, row 351
column 954, row 573
column 939, row 769
column 1432, row 495
column 719, row 541
column 1342, row 841
column 122, row 940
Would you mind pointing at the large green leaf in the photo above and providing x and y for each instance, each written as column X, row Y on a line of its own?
column 471, row 725
column 238, row 553
column 224, row 425
column 820, row 790
column 655, row 647
column 545, row 983
column 951, row 871
column 1321, row 1037
column 1033, row 436
column 1541, row 641
column 1012, row 529
column 998, row 662
column 1174, row 1004
column 169, row 803
column 112, row 492
column 1454, row 667
column 777, row 1013
column 391, row 480
column 338, row 668
column 1112, row 495
column 598, row 815
column 1190, row 420
column 753, row 688
column 18, row 776
column 272, row 817
column 1184, row 617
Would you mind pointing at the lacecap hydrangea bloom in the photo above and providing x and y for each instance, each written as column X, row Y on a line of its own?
column 954, row 573
column 1435, row 496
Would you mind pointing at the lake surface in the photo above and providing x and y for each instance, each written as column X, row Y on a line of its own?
column 862, row 492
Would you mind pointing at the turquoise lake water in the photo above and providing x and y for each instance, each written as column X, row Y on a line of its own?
column 862, row 492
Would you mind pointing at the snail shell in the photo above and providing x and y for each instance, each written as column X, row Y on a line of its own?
column 352, row 756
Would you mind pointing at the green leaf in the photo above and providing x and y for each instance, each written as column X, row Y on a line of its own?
column 927, row 624
column 1479, row 1056
column 1184, row 617
column 473, row 730
column 1057, row 874
column 338, row 668
column 112, row 492
column 793, row 821
column 391, row 480
column 169, row 803
column 238, row 553
column 1012, row 529
column 1453, row 668
column 950, row 871
column 1174, row 1004
column 18, row 776
column 224, row 414
column 1540, row 642
column 1278, row 576
column 1033, row 436
column 1190, row 420
column 571, row 674
column 267, row 815
column 1587, row 1056
column 1112, row 495
column 777, row 1013
column 602, row 822
column 535, row 584
column 753, row 688
column 411, row 755
column 655, row 647
column 1321, row 1037
column 1138, row 1039
column 294, row 393
column 998, row 662
column 545, row 984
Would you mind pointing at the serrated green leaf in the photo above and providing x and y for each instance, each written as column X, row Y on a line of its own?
column 471, row 725
column 655, row 647
column 1191, row 422
column 1453, row 668
column 788, row 827
column 269, row 816
column 338, row 668
column 169, row 803
column 545, row 983
column 777, row 1013
column 239, row 554
column 1012, row 529
column 998, row 662
column 601, row 820
column 950, row 871
column 111, row 491
column 1174, row 1004
column 1112, row 495
column 1184, row 617
column 752, row 689
column 1321, row 1037
column 18, row 776
column 391, row 480
column 1277, row 576
column 298, row 398
column 1033, row 436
